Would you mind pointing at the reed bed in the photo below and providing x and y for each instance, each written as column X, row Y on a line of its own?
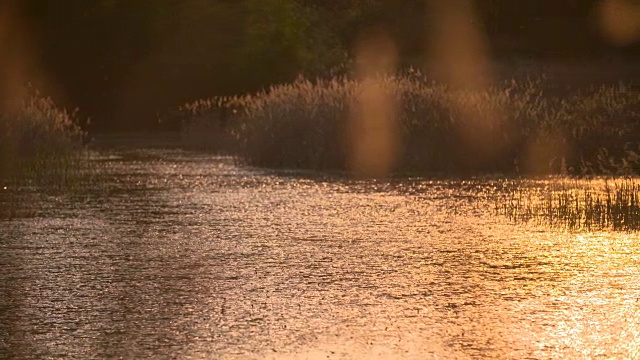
column 40, row 143
column 304, row 124
column 592, row 206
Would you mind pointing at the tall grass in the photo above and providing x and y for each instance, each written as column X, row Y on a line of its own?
column 304, row 124
column 39, row 143
column 575, row 206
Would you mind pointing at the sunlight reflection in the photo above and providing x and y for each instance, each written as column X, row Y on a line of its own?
column 190, row 256
column 592, row 300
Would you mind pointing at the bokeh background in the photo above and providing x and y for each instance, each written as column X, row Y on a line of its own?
column 125, row 63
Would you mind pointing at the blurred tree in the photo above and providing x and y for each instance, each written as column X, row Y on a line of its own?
column 283, row 38
column 121, row 61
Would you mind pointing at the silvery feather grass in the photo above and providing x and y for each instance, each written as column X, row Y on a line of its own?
column 304, row 124
column 39, row 143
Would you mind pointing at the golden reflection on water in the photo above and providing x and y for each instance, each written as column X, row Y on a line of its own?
column 611, row 204
column 597, row 315
column 193, row 257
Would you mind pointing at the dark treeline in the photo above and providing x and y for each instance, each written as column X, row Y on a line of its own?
column 122, row 62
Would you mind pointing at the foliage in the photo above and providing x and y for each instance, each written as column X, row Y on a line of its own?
column 283, row 38
column 39, row 142
column 304, row 124
column 147, row 56
column 590, row 205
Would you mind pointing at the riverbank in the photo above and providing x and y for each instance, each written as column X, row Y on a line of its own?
column 521, row 127
column 39, row 142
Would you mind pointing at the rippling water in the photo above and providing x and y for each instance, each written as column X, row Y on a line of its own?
column 178, row 255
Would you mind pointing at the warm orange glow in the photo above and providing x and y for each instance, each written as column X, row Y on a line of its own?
column 458, row 46
column 545, row 153
column 460, row 57
column 373, row 125
column 13, row 58
column 19, row 67
column 620, row 21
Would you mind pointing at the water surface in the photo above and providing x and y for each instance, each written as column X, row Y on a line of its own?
column 171, row 254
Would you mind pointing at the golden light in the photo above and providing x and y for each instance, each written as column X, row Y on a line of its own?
column 19, row 65
column 545, row 153
column 619, row 21
column 457, row 45
column 459, row 56
column 373, row 122
column 13, row 58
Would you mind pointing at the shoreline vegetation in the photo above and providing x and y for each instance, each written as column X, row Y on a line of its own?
column 576, row 205
column 515, row 128
column 40, row 143
column 521, row 127
column 590, row 133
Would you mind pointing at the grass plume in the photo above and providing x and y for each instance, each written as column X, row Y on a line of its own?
column 39, row 142
column 578, row 205
column 529, row 127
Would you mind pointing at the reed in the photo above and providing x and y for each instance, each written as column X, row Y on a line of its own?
column 39, row 143
column 304, row 124
column 612, row 205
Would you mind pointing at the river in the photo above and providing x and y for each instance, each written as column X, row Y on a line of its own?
column 177, row 255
